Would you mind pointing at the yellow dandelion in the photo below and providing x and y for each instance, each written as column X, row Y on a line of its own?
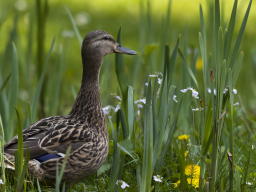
column 199, row 64
column 192, row 170
column 183, row 137
column 176, row 184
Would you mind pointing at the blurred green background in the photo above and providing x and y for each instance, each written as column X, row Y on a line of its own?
column 143, row 26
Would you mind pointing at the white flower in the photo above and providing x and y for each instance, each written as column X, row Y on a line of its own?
column 209, row 91
column 252, row 147
column 139, row 106
column 158, row 178
column 236, row 104
column 174, row 98
column 153, row 75
column 198, row 109
column 235, row 91
column 138, row 112
column 140, row 100
column 195, row 94
column 116, row 96
column 187, row 89
column 184, row 90
column 106, row 110
column 248, row 183
column 225, row 90
column 123, row 184
column 159, row 81
column 117, row 107
column 146, row 84
column 1, row 181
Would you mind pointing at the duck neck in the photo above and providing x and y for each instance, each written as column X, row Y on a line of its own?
column 88, row 104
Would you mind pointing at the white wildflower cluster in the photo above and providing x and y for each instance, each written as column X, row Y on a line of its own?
column 158, row 75
column 139, row 104
column 122, row 183
column 116, row 96
column 224, row 91
column 158, row 178
column 198, row 109
column 194, row 92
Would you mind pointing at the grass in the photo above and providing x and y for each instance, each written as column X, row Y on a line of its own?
column 144, row 133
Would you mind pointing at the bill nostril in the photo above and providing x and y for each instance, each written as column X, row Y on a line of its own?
column 119, row 45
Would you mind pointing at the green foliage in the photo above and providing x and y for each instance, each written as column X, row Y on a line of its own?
column 143, row 138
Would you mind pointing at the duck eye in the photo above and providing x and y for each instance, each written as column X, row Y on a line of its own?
column 105, row 37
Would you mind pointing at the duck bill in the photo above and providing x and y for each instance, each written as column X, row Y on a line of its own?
column 123, row 50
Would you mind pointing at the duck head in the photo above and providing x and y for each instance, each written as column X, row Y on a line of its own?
column 101, row 43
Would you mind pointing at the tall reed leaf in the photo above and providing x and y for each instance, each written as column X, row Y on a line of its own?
column 13, row 94
column 79, row 38
column 188, row 68
column 239, row 37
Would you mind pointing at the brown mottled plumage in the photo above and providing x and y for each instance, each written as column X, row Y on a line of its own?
column 84, row 129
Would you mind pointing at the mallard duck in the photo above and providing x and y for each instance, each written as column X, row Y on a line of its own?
column 84, row 129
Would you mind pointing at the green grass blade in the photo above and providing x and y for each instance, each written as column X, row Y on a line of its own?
column 231, row 140
column 171, row 66
column 80, row 40
column 116, row 158
column 35, row 101
column 124, row 127
column 29, row 113
column 147, row 153
column 20, row 136
column 4, row 84
column 188, row 68
column 237, row 67
column 130, row 110
column 231, row 25
column 13, row 93
column 239, row 37
column 24, row 170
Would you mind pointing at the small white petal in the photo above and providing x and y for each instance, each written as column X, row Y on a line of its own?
column 236, row 104
column 117, row 107
column 235, row 91
column 174, row 98
column 124, row 185
column 1, row 181
column 225, row 90
column 153, row 75
column 159, row 81
column 209, row 90
column 184, row 90
column 252, row 147
column 196, row 109
column 146, row 84
column 248, row 183
column 158, row 178
column 139, row 106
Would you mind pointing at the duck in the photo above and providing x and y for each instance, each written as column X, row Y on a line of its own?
column 84, row 129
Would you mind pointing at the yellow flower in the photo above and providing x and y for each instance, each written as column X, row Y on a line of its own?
column 176, row 184
column 194, row 182
column 192, row 170
column 183, row 137
column 199, row 64
column 186, row 153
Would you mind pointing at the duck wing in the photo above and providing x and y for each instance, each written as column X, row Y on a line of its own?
column 51, row 135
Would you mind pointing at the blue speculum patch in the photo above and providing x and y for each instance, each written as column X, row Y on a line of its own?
column 46, row 157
